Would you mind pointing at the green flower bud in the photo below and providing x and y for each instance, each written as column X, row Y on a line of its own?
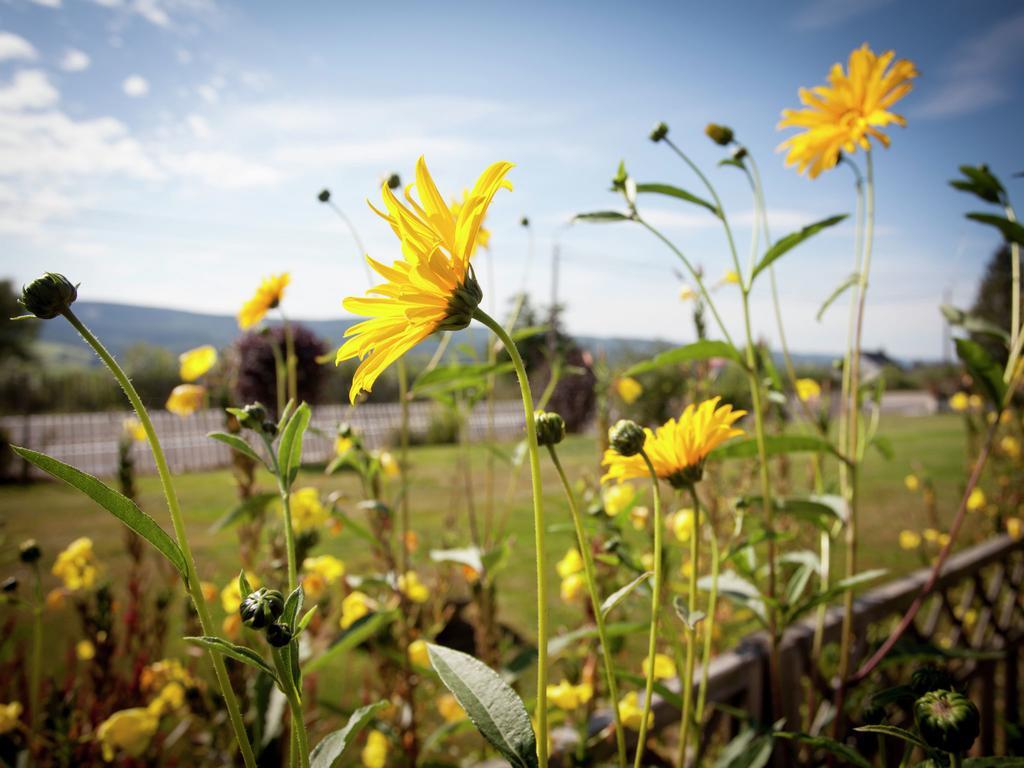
column 947, row 720
column 261, row 608
column 279, row 635
column 462, row 304
column 524, row 222
column 927, row 679
column 269, row 429
column 253, row 417
column 29, row 551
column 687, row 477
column 720, row 134
column 627, row 438
column 8, row 585
column 324, row 196
column 659, row 132
column 48, row 296
column 550, row 428
column 394, row 181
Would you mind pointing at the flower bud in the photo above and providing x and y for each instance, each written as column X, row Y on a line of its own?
column 720, row 134
column 8, row 585
column 269, row 429
column 29, row 551
column 659, row 132
column 739, row 153
column 394, row 181
column 627, row 437
column 928, row 678
column 48, row 296
column 524, row 222
column 324, row 196
column 550, row 428
column 253, row 417
column 261, row 608
column 947, row 720
column 279, row 635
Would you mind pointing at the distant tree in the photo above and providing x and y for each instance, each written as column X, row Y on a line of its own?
column 256, row 376
column 16, row 337
column 993, row 301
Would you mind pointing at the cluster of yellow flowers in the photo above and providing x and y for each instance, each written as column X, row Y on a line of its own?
column 962, row 402
column 570, row 569
column 76, row 566
column 187, row 398
column 354, row 606
column 567, row 696
column 321, row 573
column 308, row 513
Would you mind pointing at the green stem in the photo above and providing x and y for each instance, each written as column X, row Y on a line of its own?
column 652, row 640
column 595, row 601
column 301, row 738
column 403, row 461
column 538, row 531
column 1016, row 331
column 192, row 581
column 289, row 539
column 709, row 621
column 280, row 376
column 686, row 720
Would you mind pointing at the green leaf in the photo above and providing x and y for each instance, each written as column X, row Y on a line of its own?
column 699, row 350
column 983, row 369
column 289, row 449
column 972, row 323
column 251, row 506
column 792, row 240
column 749, row 749
column 244, row 587
column 120, row 506
column 495, row 709
column 237, row 444
column 355, row 635
column 820, row 510
column 602, row 216
column 840, row 587
column 691, row 620
column 292, row 607
column 843, row 752
column 739, row 590
column 236, row 652
column 892, row 730
column 304, row 621
column 883, row 445
column 454, row 377
column 982, row 182
column 775, row 445
column 679, row 194
column 850, row 281
column 1012, row 231
column 619, row 595
column 333, row 746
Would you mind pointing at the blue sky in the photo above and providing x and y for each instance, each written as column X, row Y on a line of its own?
column 169, row 152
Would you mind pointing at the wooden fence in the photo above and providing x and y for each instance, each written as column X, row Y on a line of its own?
column 89, row 441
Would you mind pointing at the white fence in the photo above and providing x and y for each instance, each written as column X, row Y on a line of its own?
column 89, row 441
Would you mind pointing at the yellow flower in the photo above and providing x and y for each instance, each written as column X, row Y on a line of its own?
column 686, row 293
column 731, row 277
column 354, row 607
column 389, row 465
column 418, row 654
column 975, row 402
column 631, row 713
column 567, row 696
column 638, row 516
column 10, row 716
column 320, row 573
column 848, row 112
column 570, row 564
column 186, row 399
column 196, row 362
column 677, row 449
column 450, row 709
column 683, row 524
column 617, row 498
column 170, row 699
column 959, row 402
column 266, row 298
column 132, row 428
column 307, row 511
column 909, row 539
column 1015, row 527
column 343, row 445
column 664, row 667
column 483, row 235
column 160, row 674
column 76, row 566
column 931, row 535
column 976, row 500
column 128, row 731
column 375, row 753
column 409, row 584
column 808, row 389
column 1010, row 446
column 85, row 650
column 231, row 596
column 432, row 287
column 629, row 389
column 572, row 586
column 912, row 482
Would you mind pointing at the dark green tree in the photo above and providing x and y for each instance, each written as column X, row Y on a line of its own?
column 16, row 336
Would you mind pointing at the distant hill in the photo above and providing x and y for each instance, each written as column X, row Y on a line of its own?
column 122, row 325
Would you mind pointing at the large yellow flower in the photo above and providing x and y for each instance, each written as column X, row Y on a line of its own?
column 848, row 112
column 677, row 449
column 266, row 298
column 432, row 287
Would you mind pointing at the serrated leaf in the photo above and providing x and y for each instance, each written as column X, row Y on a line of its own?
column 983, row 369
column 236, row 652
column 620, row 594
column 333, row 746
column 602, row 216
column 679, row 194
column 691, row 620
column 250, row 506
column 850, row 281
column 120, row 506
column 493, row 707
column 236, row 444
column 699, row 350
column 895, row 732
column 289, row 448
column 792, row 240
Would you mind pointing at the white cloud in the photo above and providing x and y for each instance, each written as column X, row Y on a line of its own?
column 199, row 127
column 221, row 169
column 14, row 47
column 208, row 94
column 135, row 86
column 152, row 12
column 75, row 60
column 48, row 3
column 30, row 89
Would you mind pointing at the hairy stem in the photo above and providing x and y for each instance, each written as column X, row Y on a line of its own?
column 652, row 640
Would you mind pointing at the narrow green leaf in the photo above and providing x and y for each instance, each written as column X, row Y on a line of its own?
column 895, row 732
column 495, row 709
column 774, row 446
column 602, row 216
column 333, row 746
column 238, row 444
column 359, row 632
column 1012, row 230
column 292, row 607
column 251, row 506
column 304, row 621
column 821, row 510
column 850, row 281
column 839, row 588
column 120, row 506
column 453, row 377
column 244, row 587
column 699, row 350
column 983, row 369
column 679, row 194
column 289, row 449
column 619, row 595
column 792, row 240
column 236, row 652
column 982, row 182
